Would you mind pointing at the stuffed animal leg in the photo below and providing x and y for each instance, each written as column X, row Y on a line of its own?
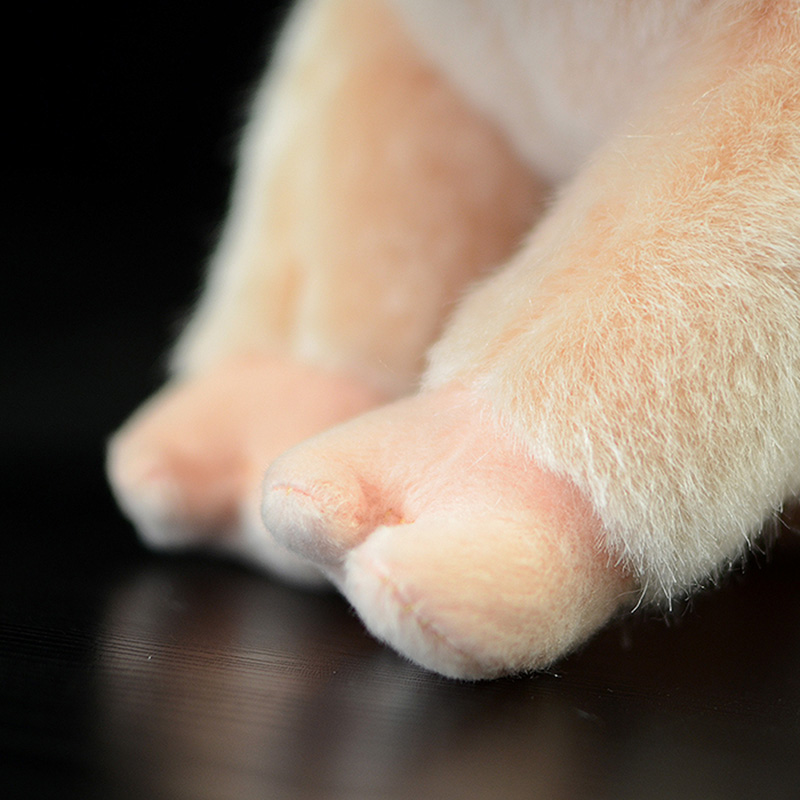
column 611, row 417
column 369, row 194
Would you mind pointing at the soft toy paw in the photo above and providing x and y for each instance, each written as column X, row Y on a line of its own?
column 508, row 312
column 187, row 468
column 449, row 541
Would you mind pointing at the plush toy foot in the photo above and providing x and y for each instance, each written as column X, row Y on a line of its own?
column 452, row 545
column 187, row 468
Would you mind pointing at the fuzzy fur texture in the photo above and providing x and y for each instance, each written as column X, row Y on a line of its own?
column 586, row 217
column 358, row 182
column 653, row 355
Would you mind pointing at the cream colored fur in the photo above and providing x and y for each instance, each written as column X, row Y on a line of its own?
column 329, row 213
column 646, row 341
column 583, row 213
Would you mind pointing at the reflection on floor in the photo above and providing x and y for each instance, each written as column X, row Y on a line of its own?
column 127, row 675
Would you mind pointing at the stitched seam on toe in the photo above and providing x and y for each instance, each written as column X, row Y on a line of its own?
column 425, row 624
column 354, row 518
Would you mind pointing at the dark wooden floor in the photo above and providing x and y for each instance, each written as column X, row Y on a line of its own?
column 126, row 675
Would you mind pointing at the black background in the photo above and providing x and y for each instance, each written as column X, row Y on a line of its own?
column 123, row 138
column 124, row 674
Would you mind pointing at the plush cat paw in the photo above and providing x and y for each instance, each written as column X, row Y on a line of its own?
column 187, row 468
column 449, row 541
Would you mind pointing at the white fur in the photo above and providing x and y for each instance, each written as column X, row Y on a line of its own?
column 558, row 77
